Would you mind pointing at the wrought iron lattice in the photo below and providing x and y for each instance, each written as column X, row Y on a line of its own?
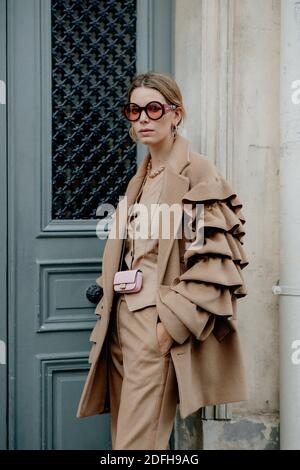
column 93, row 62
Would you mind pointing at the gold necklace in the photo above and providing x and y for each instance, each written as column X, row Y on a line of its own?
column 155, row 172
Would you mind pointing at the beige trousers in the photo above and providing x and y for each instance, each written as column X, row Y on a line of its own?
column 143, row 388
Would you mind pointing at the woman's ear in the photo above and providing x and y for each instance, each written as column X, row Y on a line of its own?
column 178, row 112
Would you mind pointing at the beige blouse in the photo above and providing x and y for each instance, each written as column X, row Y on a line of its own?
column 142, row 241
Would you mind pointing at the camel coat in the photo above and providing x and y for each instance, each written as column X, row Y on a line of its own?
column 197, row 290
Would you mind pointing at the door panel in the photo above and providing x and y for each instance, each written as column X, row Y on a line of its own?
column 68, row 152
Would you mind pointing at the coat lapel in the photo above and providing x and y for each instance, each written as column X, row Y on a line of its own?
column 175, row 186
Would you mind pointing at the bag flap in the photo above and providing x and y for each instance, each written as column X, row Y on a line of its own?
column 122, row 277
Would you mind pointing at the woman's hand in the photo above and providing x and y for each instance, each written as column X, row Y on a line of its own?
column 164, row 339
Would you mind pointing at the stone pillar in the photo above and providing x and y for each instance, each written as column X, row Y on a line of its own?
column 289, row 288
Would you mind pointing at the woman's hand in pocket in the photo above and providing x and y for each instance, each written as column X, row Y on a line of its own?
column 164, row 339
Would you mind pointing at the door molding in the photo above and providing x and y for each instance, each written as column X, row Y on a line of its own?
column 3, row 230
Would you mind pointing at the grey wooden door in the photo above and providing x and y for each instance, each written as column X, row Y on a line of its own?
column 68, row 65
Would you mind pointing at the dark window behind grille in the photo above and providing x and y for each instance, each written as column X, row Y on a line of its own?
column 93, row 62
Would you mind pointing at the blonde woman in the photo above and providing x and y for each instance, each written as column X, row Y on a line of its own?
column 173, row 341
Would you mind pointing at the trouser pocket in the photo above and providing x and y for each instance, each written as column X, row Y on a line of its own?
column 163, row 343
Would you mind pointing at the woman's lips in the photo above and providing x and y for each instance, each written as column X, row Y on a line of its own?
column 146, row 131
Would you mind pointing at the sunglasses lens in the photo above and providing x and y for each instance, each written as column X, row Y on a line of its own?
column 154, row 110
column 131, row 112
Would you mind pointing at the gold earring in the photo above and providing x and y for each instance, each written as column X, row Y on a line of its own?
column 174, row 130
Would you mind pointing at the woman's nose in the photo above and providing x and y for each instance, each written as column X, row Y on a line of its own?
column 143, row 116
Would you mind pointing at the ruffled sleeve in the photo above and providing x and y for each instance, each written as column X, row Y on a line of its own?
column 212, row 279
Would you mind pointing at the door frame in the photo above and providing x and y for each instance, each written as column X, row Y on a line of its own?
column 3, row 230
column 154, row 50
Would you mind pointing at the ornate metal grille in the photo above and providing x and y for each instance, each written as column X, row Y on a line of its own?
column 93, row 62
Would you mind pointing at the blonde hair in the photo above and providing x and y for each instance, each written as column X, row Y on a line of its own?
column 161, row 82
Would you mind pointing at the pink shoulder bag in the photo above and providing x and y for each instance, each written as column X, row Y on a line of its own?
column 128, row 281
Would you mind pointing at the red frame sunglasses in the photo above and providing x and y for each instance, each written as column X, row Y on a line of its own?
column 154, row 110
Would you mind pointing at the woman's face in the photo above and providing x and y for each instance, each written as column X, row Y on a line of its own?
column 160, row 128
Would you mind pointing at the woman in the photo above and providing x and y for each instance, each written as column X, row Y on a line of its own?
column 175, row 341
